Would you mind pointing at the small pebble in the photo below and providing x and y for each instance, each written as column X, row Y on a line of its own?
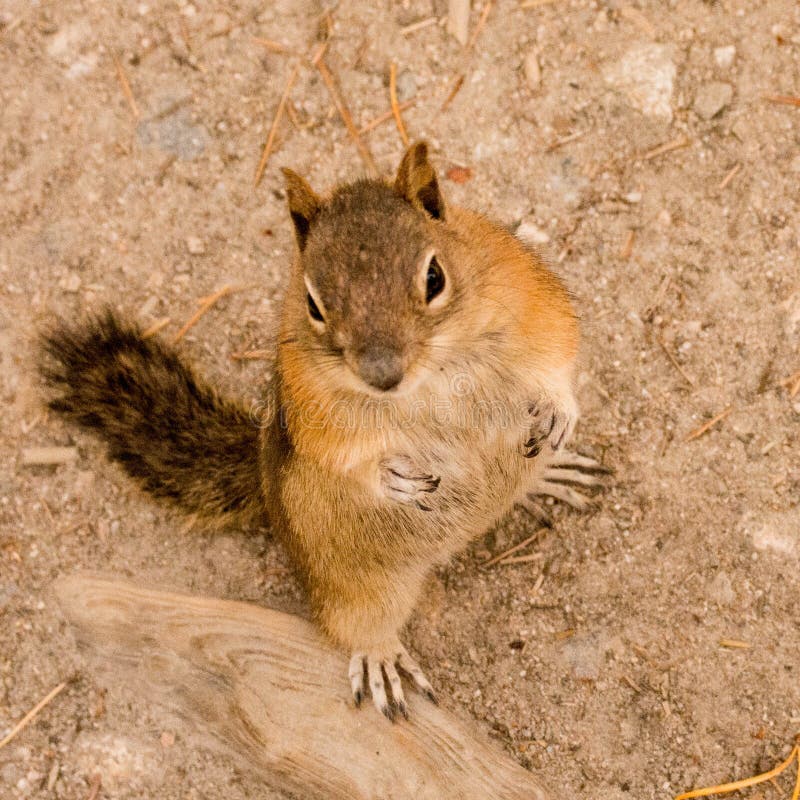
column 533, row 72
column 711, row 98
column 406, row 85
column 72, row 283
column 724, row 56
column 195, row 245
column 530, row 233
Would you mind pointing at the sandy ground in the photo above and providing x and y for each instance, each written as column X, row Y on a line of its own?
column 598, row 664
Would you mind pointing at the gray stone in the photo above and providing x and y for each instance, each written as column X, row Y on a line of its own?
column 406, row 85
column 174, row 133
column 724, row 56
column 646, row 75
column 711, row 98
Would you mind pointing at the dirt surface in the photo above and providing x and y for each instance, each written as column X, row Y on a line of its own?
column 597, row 664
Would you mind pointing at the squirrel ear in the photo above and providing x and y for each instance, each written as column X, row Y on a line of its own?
column 304, row 205
column 416, row 181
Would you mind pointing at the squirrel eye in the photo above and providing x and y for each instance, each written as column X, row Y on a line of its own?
column 313, row 311
column 434, row 280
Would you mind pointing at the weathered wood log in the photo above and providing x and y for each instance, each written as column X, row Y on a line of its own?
column 265, row 688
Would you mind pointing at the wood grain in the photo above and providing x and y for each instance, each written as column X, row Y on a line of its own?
column 266, row 689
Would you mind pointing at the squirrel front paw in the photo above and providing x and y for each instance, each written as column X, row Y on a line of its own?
column 382, row 668
column 403, row 482
column 551, row 423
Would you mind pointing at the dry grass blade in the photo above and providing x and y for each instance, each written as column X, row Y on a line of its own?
column 157, row 326
column 565, row 140
column 487, row 9
column 696, row 434
column 674, row 361
column 736, row 786
column 418, row 26
column 344, row 112
column 398, row 117
column 205, row 304
column 537, row 3
column 667, row 147
column 385, row 117
column 262, row 165
column 506, row 553
column 627, row 248
column 783, row 99
column 126, row 87
column 457, row 84
column 730, row 176
column 32, row 714
column 272, row 46
column 734, row 644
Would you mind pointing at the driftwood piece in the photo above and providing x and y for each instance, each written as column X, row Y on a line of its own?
column 266, row 689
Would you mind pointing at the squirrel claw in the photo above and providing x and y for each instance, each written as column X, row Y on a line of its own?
column 403, row 482
column 381, row 672
column 551, row 424
column 566, row 470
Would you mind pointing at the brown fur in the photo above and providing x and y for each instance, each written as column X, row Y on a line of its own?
column 501, row 340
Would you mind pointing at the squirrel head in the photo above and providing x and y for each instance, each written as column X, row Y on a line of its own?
column 373, row 281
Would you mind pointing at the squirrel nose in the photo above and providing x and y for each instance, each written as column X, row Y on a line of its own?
column 381, row 367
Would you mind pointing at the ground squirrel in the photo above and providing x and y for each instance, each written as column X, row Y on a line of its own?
column 423, row 386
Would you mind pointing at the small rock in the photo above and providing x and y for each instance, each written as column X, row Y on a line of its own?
column 533, row 72
column 724, row 56
column 722, row 589
column 646, row 74
column 220, row 24
column 632, row 197
column 72, row 283
column 584, row 655
column 195, row 245
column 664, row 218
column 711, row 98
column 406, row 85
column 532, row 234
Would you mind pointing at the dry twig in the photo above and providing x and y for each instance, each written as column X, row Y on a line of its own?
column 674, row 361
column 730, row 176
column 205, row 304
column 783, row 99
column 709, row 425
column 734, row 644
column 272, row 46
column 262, row 165
column 418, row 26
column 481, row 22
column 524, row 543
column 48, row 456
column 627, row 248
column 31, row 714
column 126, row 87
column 747, row 782
column 386, row 116
column 668, row 147
column 344, row 112
column 157, row 326
column 398, row 118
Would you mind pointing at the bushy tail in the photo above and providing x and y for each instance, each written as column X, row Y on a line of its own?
column 171, row 432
